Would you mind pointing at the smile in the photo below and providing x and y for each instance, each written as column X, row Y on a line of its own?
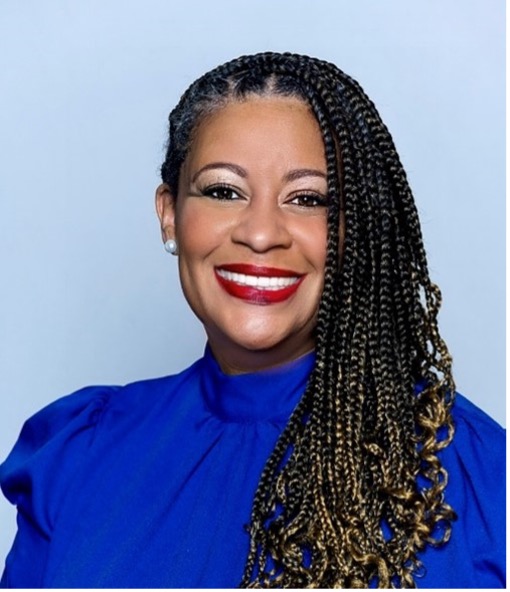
column 260, row 282
column 256, row 284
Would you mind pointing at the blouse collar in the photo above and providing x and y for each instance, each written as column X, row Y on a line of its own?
column 266, row 395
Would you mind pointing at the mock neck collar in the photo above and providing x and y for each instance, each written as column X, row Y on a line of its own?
column 266, row 395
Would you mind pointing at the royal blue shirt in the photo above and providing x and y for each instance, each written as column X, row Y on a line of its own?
column 150, row 485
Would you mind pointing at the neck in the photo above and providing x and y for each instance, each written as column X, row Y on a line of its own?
column 238, row 360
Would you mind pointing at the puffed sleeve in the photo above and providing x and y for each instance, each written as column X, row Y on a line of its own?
column 36, row 475
column 477, row 492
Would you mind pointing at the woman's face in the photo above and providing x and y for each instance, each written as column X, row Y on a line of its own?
column 250, row 224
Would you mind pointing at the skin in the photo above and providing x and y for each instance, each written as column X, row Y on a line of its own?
column 268, row 155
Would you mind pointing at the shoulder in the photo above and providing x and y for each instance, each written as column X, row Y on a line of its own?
column 476, row 462
column 478, row 450
column 479, row 441
column 476, row 490
column 467, row 413
column 53, row 444
column 34, row 475
column 48, row 452
column 79, row 414
column 144, row 393
column 476, row 465
column 82, row 407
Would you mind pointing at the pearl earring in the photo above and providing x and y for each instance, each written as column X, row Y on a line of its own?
column 171, row 246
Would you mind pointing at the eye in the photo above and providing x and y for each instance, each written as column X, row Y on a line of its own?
column 309, row 200
column 221, row 192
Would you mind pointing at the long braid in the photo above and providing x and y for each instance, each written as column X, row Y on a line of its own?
column 354, row 487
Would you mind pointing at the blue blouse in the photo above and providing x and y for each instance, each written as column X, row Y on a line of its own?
column 149, row 485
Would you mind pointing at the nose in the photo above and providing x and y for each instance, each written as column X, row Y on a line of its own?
column 262, row 226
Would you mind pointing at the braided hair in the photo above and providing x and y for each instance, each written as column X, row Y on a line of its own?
column 354, row 488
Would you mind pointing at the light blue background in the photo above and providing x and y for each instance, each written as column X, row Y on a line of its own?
column 88, row 295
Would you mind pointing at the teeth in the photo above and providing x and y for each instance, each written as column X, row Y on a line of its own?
column 263, row 283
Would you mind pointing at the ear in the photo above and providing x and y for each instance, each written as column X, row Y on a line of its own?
column 165, row 207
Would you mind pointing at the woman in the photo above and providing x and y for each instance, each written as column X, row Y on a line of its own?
column 318, row 442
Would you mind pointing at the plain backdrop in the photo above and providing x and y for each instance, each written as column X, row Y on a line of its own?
column 87, row 294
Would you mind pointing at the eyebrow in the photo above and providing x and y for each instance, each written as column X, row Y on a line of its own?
column 238, row 170
column 300, row 173
column 221, row 165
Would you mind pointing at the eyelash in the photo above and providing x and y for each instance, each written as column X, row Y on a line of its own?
column 208, row 191
column 317, row 199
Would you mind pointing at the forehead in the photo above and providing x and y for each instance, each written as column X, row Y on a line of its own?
column 260, row 130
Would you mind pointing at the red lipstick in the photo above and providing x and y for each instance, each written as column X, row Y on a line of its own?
column 257, row 294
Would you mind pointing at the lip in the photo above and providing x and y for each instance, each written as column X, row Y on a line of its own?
column 259, row 270
column 255, row 295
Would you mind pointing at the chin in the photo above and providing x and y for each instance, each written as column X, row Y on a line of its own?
column 270, row 342
column 255, row 343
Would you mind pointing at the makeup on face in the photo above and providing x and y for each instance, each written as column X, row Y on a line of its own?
column 250, row 219
column 257, row 284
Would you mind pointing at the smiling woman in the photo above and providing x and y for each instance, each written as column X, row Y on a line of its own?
column 249, row 217
column 319, row 441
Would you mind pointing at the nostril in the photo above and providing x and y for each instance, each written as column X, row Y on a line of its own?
column 262, row 231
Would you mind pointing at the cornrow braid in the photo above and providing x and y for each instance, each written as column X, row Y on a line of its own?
column 354, row 488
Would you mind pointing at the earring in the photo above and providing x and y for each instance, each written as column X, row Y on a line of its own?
column 171, row 246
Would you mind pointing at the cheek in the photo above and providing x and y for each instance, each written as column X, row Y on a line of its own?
column 197, row 230
column 312, row 238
